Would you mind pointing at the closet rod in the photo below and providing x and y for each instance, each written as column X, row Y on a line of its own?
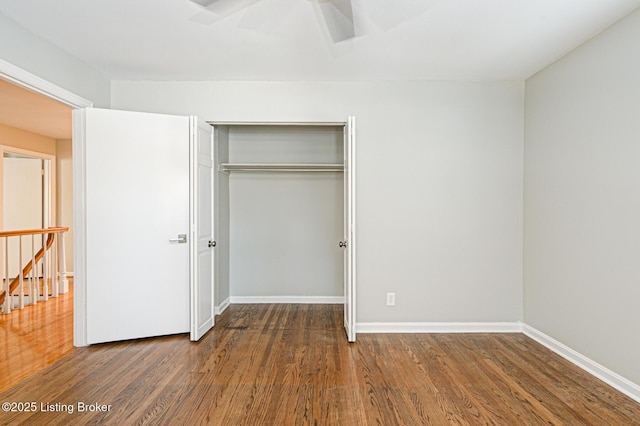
column 270, row 167
column 284, row 170
column 279, row 123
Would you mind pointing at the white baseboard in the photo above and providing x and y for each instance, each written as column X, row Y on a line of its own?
column 613, row 379
column 222, row 306
column 439, row 327
column 321, row 300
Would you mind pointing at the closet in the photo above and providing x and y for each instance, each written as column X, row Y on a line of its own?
column 284, row 214
column 240, row 212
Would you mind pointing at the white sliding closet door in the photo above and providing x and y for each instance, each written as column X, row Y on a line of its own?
column 202, row 208
column 135, row 256
column 349, row 242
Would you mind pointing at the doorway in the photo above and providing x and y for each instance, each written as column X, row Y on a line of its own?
column 27, row 198
column 285, row 214
column 29, row 151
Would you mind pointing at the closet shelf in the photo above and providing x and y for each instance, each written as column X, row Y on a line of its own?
column 281, row 167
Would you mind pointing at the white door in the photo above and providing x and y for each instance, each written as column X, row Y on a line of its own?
column 202, row 208
column 349, row 242
column 136, row 223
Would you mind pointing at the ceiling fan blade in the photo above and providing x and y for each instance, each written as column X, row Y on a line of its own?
column 338, row 17
column 215, row 10
column 204, row 3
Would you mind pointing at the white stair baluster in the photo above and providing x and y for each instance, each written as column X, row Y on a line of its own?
column 64, row 282
column 7, row 295
column 45, row 270
column 20, row 277
column 54, row 266
column 26, row 288
column 34, row 290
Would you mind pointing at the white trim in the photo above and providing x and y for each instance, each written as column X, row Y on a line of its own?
column 439, row 327
column 611, row 378
column 50, row 214
column 288, row 299
column 223, row 306
column 25, row 79
column 27, row 152
column 351, row 283
column 80, row 231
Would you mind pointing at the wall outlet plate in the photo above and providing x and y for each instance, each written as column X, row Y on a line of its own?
column 391, row 299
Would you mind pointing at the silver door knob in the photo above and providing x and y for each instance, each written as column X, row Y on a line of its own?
column 212, row 243
column 182, row 238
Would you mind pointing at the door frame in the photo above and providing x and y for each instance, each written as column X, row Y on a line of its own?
column 49, row 212
column 49, row 200
column 32, row 82
column 350, row 228
column 349, row 179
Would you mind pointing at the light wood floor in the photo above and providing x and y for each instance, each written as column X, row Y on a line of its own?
column 35, row 337
column 291, row 365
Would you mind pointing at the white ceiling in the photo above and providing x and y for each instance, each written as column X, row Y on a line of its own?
column 288, row 39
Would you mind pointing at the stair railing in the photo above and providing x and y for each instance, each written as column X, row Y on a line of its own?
column 47, row 265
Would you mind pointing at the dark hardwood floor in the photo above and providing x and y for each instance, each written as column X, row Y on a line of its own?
column 291, row 365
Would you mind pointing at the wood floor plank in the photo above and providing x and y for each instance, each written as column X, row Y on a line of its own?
column 292, row 365
column 486, row 387
column 35, row 337
column 475, row 401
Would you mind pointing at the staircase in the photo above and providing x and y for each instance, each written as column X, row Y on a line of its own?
column 42, row 274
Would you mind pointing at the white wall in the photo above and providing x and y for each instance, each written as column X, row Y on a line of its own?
column 22, row 207
column 285, row 227
column 582, row 199
column 439, row 182
column 42, row 58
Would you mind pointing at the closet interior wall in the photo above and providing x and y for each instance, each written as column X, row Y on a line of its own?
column 278, row 231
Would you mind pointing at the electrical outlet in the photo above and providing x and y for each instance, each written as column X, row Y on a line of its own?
column 391, row 299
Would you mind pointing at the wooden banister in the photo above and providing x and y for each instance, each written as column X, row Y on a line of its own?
column 39, row 255
column 20, row 232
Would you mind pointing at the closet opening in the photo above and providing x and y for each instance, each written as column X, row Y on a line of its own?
column 282, row 200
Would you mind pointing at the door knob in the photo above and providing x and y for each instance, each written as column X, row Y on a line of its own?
column 182, row 238
column 212, row 243
column 342, row 244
